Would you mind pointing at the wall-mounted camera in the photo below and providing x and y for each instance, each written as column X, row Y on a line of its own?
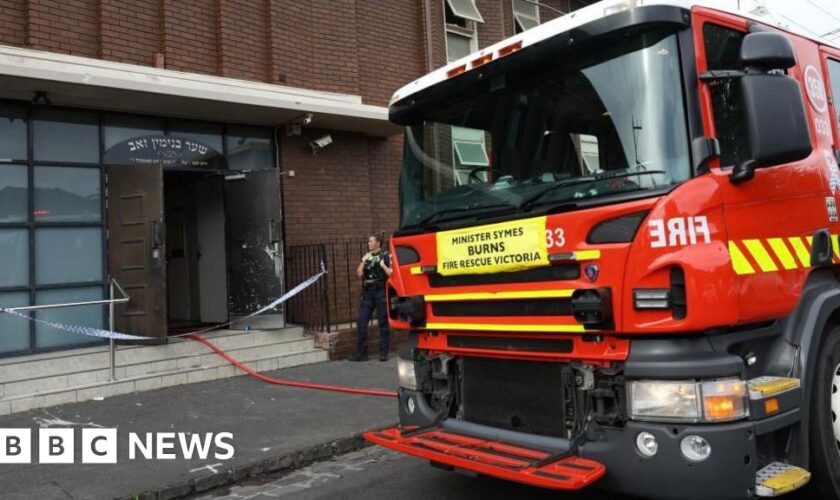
column 320, row 143
column 294, row 127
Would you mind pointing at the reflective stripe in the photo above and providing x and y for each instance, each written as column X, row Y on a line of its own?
column 756, row 249
column 527, row 294
column 782, row 253
column 802, row 253
column 587, row 255
column 739, row 262
column 416, row 270
column 507, row 328
column 836, row 245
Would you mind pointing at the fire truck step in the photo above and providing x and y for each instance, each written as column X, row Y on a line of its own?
column 763, row 387
column 492, row 458
column 778, row 478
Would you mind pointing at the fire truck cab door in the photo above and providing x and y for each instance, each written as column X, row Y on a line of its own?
column 770, row 217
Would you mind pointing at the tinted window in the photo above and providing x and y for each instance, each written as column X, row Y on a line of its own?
column 13, row 193
column 12, row 132
column 15, row 330
column 65, row 194
column 120, row 128
column 14, row 254
column 91, row 316
column 834, row 76
column 68, row 255
column 65, row 136
column 723, row 46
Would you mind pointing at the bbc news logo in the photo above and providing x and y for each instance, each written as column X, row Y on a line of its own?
column 99, row 446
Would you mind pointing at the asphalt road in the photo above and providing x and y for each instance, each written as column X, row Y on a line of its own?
column 378, row 473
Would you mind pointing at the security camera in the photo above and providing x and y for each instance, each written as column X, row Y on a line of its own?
column 306, row 119
column 320, row 143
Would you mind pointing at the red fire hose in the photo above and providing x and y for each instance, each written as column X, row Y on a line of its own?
column 277, row 381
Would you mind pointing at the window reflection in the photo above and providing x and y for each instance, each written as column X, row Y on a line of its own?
column 12, row 132
column 13, row 193
column 249, row 148
column 64, row 194
column 66, row 136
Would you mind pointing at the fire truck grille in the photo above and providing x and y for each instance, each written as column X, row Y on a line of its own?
column 523, row 396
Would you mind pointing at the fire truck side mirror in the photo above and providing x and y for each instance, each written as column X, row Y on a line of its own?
column 774, row 109
column 767, row 51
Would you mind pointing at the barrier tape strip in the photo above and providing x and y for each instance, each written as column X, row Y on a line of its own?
column 108, row 334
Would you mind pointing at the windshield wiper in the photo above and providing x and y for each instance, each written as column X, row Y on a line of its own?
column 529, row 202
column 444, row 211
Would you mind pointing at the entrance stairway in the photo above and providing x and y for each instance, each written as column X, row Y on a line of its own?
column 50, row 379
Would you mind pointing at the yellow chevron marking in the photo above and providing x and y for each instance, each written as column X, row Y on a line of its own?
column 526, row 294
column 416, row 270
column 756, row 249
column 801, row 252
column 739, row 262
column 782, row 252
column 507, row 328
column 836, row 245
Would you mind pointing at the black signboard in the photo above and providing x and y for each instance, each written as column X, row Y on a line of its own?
column 169, row 151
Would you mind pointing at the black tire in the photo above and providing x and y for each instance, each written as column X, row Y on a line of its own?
column 825, row 449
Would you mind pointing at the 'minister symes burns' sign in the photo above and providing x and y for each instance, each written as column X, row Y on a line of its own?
column 169, row 151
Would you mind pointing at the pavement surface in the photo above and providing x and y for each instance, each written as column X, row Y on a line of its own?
column 378, row 473
column 274, row 429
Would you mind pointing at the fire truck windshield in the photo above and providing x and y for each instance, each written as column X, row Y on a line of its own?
column 599, row 123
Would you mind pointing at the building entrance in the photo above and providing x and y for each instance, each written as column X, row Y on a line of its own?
column 196, row 261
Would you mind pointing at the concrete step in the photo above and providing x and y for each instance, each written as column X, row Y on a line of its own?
column 97, row 358
column 197, row 357
column 153, row 381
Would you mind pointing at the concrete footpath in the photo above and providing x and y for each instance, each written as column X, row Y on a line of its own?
column 274, row 429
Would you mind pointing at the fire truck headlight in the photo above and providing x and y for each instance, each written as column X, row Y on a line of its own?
column 664, row 400
column 688, row 401
column 407, row 377
column 724, row 400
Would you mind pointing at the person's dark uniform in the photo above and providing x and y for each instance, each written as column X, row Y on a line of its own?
column 373, row 296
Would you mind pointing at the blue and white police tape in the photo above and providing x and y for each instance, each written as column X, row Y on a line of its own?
column 108, row 334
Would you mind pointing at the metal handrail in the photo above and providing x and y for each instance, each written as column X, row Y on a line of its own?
column 111, row 302
column 125, row 298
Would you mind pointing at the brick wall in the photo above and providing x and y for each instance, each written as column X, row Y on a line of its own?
column 65, row 26
column 244, row 39
column 131, row 31
column 13, row 22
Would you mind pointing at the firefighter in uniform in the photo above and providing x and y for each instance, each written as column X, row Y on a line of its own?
column 374, row 271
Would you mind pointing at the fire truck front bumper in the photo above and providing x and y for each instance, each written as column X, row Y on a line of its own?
column 611, row 457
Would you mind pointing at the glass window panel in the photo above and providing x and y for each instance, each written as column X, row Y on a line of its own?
column 66, row 194
column 71, row 136
column 92, row 316
column 120, row 128
column 524, row 23
column 12, row 132
column 834, row 75
column 14, row 256
column 526, row 8
column 249, row 148
column 209, row 134
column 471, row 153
column 457, row 46
column 14, row 193
column 14, row 331
column 465, row 9
column 723, row 46
column 68, row 255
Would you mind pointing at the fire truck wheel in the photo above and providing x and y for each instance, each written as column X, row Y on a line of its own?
column 825, row 419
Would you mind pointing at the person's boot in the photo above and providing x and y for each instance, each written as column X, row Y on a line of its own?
column 359, row 357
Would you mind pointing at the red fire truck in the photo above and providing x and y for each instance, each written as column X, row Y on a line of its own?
column 618, row 256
